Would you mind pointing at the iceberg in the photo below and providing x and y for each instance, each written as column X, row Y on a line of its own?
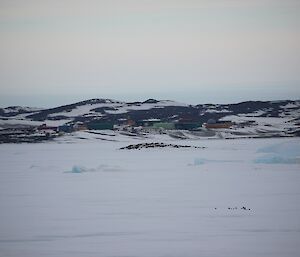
column 282, row 153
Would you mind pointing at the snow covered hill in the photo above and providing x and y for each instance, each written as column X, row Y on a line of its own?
column 266, row 118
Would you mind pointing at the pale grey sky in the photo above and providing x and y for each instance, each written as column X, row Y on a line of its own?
column 54, row 52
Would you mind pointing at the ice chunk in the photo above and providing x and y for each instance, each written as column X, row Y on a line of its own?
column 276, row 159
column 103, row 168
column 282, row 153
column 201, row 161
column 288, row 149
column 78, row 169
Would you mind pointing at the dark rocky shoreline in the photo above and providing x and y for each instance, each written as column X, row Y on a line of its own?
column 156, row 145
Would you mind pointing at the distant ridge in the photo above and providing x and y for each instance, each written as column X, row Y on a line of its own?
column 177, row 120
column 164, row 110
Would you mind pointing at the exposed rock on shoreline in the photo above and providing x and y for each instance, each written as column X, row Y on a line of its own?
column 156, row 145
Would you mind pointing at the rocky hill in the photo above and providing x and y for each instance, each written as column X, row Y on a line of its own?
column 277, row 116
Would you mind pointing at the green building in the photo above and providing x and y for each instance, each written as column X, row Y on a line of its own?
column 100, row 125
column 188, row 125
column 164, row 125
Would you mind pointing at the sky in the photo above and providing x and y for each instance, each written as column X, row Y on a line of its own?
column 56, row 52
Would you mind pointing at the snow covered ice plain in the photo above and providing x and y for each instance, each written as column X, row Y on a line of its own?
column 88, row 198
